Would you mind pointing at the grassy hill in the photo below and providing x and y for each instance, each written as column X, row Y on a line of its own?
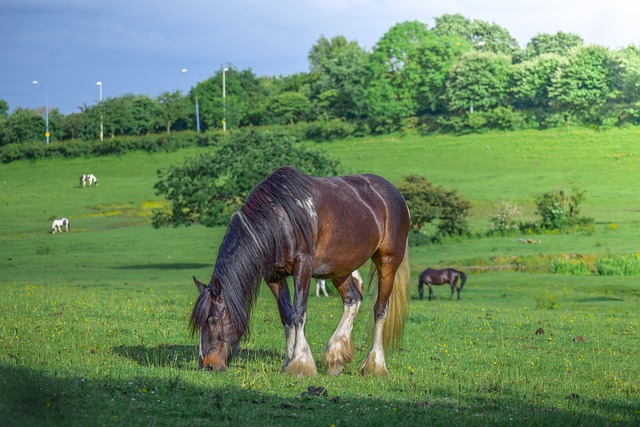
column 93, row 322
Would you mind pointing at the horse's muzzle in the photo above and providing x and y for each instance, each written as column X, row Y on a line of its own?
column 210, row 364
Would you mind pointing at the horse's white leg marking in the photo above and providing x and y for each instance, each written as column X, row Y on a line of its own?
column 290, row 339
column 301, row 363
column 375, row 364
column 339, row 350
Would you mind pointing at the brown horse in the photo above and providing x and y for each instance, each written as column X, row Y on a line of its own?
column 440, row 277
column 296, row 225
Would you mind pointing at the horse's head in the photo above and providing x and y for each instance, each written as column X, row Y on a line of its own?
column 218, row 337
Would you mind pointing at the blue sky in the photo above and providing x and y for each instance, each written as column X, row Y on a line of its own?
column 139, row 46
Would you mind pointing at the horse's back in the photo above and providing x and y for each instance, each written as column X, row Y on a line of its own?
column 366, row 209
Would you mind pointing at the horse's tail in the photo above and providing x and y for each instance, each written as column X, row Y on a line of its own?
column 398, row 306
column 463, row 278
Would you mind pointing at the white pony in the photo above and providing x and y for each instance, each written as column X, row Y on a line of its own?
column 321, row 284
column 58, row 224
column 88, row 179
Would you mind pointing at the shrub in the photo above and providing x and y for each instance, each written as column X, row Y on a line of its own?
column 207, row 189
column 559, row 210
column 503, row 221
column 429, row 204
column 330, row 130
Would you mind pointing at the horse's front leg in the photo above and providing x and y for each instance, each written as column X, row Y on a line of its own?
column 431, row 295
column 281, row 292
column 339, row 350
column 421, row 289
column 301, row 362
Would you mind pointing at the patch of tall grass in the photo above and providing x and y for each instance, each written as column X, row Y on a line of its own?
column 623, row 265
column 574, row 267
column 626, row 265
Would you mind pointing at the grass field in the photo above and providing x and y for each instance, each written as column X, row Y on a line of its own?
column 93, row 325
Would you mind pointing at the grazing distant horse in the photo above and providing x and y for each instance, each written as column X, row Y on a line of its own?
column 59, row 224
column 440, row 277
column 88, row 180
column 296, row 225
column 322, row 286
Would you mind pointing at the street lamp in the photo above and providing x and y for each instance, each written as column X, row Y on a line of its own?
column 184, row 70
column 224, row 100
column 101, row 122
column 46, row 110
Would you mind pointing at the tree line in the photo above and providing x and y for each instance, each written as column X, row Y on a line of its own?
column 460, row 75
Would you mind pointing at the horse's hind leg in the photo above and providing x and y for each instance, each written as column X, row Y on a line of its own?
column 339, row 350
column 375, row 364
column 454, row 287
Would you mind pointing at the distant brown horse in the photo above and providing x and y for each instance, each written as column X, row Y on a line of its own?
column 431, row 277
column 296, row 225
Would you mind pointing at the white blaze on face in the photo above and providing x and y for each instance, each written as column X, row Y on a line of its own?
column 201, row 354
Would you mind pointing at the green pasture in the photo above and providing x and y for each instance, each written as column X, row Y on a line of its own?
column 93, row 323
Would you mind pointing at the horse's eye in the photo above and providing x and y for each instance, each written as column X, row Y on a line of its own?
column 212, row 320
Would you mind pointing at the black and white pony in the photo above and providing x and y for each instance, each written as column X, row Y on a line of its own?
column 321, row 284
column 88, row 180
column 59, row 224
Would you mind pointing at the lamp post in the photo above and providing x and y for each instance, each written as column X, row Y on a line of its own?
column 101, row 122
column 46, row 110
column 224, row 100
column 184, row 70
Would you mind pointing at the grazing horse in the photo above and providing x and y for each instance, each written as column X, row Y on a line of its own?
column 321, row 284
column 292, row 224
column 88, row 179
column 440, row 277
column 58, row 224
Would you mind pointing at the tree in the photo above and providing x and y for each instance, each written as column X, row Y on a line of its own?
column 130, row 115
column 429, row 204
column 484, row 36
column 207, row 189
column 585, row 83
column 4, row 114
column 560, row 43
column 23, row 125
column 80, row 126
column 173, row 107
column 4, row 109
column 338, row 73
column 392, row 79
column 478, row 80
column 288, row 108
column 532, row 79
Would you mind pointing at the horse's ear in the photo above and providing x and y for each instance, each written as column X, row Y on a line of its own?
column 216, row 288
column 199, row 284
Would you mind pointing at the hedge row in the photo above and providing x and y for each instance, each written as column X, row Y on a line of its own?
column 315, row 131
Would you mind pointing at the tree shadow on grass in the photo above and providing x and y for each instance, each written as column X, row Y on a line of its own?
column 600, row 299
column 164, row 266
column 31, row 396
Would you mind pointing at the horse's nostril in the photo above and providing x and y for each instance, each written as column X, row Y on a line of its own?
column 207, row 368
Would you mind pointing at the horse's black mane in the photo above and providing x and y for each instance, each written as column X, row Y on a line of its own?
column 254, row 243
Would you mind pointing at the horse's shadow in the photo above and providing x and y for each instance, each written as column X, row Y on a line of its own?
column 182, row 356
